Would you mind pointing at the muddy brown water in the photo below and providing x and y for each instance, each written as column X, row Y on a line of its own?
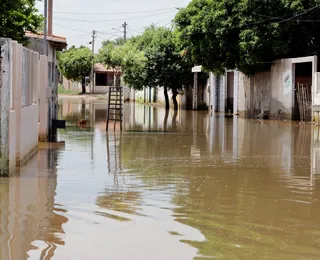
column 186, row 185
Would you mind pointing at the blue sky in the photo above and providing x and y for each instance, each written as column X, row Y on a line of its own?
column 75, row 19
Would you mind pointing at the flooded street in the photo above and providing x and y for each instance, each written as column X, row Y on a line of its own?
column 186, row 185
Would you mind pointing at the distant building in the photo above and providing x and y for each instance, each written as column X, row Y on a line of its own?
column 103, row 78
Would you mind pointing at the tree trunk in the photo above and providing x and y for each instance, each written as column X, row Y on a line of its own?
column 174, row 120
column 165, row 121
column 166, row 98
column 155, row 95
column 174, row 98
column 83, row 109
column 83, row 85
column 188, row 97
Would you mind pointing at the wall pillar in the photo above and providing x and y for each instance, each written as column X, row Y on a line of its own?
column 236, row 92
column 44, row 92
column 5, row 100
column 211, row 91
column 195, row 92
column 16, row 93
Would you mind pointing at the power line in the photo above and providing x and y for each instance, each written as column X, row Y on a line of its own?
column 117, row 31
column 154, row 24
column 267, row 20
column 113, row 20
column 129, row 28
column 304, row 12
column 72, row 29
column 117, row 13
column 105, row 33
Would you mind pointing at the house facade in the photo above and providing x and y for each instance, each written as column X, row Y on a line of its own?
column 54, row 44
column 103, row 79
column 290, row 89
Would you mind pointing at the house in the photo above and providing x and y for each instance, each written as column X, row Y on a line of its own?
column 103, row 78
column 55, row 44
column 288, row 90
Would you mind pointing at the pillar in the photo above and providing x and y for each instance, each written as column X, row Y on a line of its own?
column 195, row 92
column 5, row 100
column 236, row 92
column 44, row 91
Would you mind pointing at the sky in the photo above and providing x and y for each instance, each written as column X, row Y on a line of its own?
column 76, row 19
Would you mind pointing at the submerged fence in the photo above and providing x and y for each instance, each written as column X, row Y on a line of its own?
column 304, row 102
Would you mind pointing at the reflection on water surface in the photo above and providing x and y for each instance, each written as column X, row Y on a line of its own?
column 186, row 185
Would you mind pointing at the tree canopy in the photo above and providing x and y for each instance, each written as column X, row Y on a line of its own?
column 247, row 35
column 150, row 60
column 75, row 64
column 117, row 41
column 157, row 61
column 18, row 16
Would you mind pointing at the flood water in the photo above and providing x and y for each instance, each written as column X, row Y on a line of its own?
column 183, row 186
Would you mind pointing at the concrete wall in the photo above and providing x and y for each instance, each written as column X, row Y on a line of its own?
column 217, row 92
column 29, row 131
column 71, row 85
column 101, row 90
column 24, row 81
column 282, row 96
column 273, row 91
column 52, row 78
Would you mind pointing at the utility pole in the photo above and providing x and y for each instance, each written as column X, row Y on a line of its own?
column 45, row 44
column 50, row 10
column 125, row 31
column 92, row 68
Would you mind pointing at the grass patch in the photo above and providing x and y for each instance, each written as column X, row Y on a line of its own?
column 63, row 91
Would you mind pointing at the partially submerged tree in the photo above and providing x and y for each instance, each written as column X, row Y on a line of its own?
column 17, row 17
column 75, row 64
column 158, row 62
column 248, row 35
column 169, row 68
column 111, row 56
column 150, row 60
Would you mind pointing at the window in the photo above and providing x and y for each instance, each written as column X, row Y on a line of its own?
column 101, row 79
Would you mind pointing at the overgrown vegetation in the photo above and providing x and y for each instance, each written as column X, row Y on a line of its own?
column 248, row 34
column 17, row 17
column 63, row 91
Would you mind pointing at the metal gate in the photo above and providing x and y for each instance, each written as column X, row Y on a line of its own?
column 304, row 101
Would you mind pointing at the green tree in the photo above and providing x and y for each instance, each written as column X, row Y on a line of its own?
column 248, row 35
column 169, row 68
column 160, row 62
column 111, row 56
column 75, row 64
column 18, row 16
column 134, row 67
column 117, row 41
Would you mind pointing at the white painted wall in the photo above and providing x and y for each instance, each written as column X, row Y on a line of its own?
column 26, row 89
column 101, row 90
column 270, row 92
column 29, row 131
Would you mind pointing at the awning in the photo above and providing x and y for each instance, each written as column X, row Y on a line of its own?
column 197, row 69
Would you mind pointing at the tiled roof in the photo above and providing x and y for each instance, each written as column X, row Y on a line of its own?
column 99, row 67
column 52, row 38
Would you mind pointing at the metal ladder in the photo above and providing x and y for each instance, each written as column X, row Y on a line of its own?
column 115, row 106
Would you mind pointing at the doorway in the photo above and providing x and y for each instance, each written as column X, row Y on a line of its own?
column 303, row 94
